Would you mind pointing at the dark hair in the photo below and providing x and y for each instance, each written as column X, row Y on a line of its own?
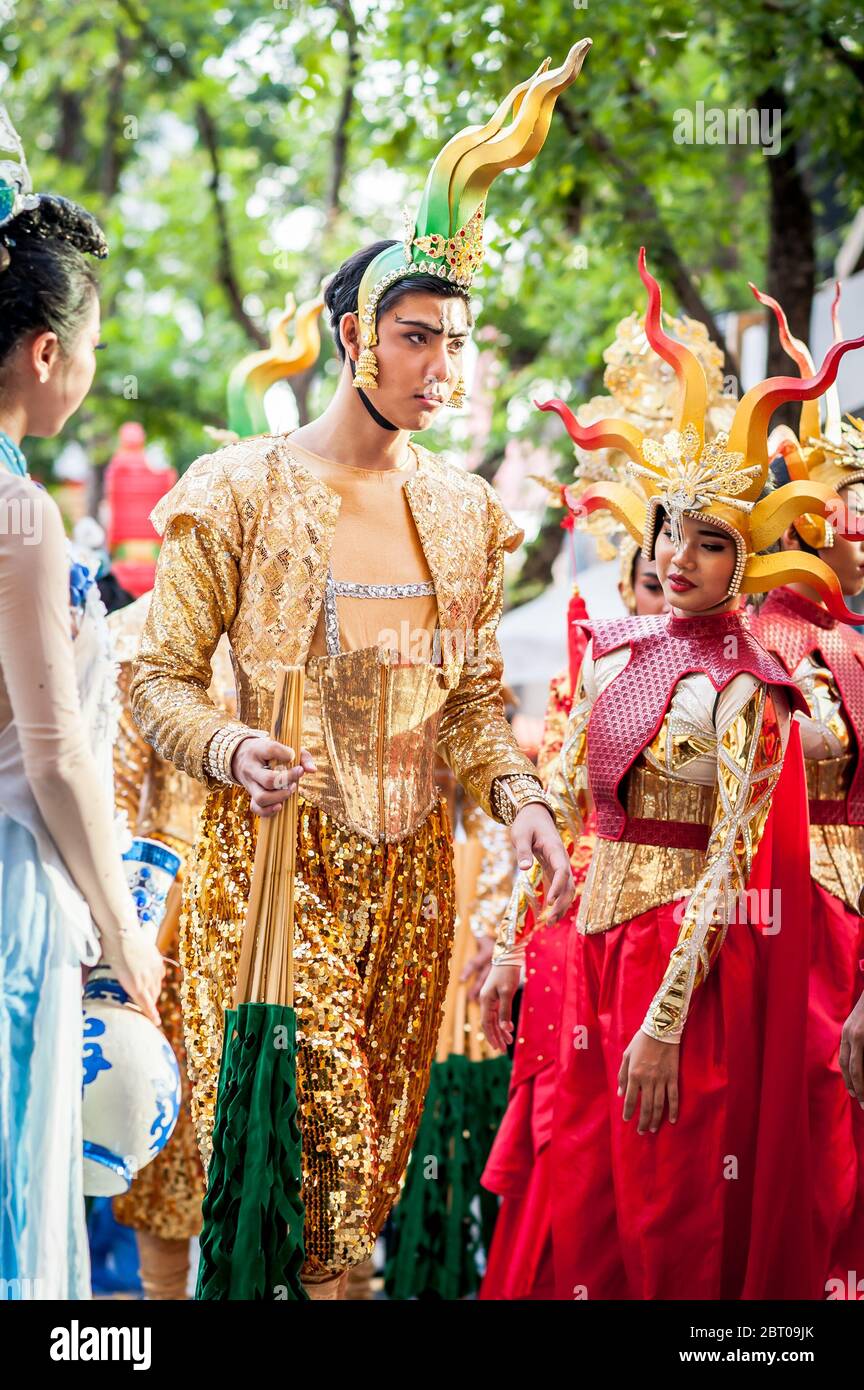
column 47, row 283
column 343, row 288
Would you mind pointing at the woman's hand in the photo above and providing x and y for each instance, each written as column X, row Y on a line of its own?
column 496, row 1005
column 139, row 969
column 649, row 1067
column 852, row 1053
column 268, row 786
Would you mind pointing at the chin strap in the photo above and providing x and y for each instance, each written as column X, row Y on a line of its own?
column 376, row 414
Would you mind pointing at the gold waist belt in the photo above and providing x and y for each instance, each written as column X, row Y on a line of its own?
column 371, row 726
column 627, row 877
column 652, row 795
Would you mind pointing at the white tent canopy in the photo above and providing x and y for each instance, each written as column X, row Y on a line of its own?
column 534, row 637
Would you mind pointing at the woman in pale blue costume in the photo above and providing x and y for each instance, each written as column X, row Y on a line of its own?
column 63, row 897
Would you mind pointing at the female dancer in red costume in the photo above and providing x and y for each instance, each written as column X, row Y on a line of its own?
column 825, row 660
column 682, row 727
column 520, row 1257
column 642, row 388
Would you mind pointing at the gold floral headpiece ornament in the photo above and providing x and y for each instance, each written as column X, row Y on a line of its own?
column 447, row 237
column 831, row 454
column 719, row 482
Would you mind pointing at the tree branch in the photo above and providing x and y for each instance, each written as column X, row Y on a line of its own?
column 346, row 107
column 641, row 201
column 853, row 61
column 116, row 149
column 791, row 269
column 207, row 129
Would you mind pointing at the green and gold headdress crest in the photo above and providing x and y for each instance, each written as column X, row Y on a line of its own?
column 253, row 375
column 447, row 237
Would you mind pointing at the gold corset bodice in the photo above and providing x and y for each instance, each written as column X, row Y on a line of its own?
column 836, row 851
column 651, row 794
column 828, row 779
column 626, row 878
column 371, row 726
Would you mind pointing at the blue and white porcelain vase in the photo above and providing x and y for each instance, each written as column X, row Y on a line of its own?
column 131, row 1093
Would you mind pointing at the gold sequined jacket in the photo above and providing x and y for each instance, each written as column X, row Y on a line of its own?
column 157, row 799
column 710, row 770
column 248, row 533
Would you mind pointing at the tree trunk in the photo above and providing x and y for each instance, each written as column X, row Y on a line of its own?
column 791, row 270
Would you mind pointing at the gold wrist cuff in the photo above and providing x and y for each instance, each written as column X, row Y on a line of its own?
column 510, row 794
column 221, row 749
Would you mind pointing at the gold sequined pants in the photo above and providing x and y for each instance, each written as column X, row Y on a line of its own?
column 373, row 938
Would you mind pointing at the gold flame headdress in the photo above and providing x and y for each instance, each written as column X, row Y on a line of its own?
column 720, row 481
column 832, row 454
column 447, row 237
column 254, row 374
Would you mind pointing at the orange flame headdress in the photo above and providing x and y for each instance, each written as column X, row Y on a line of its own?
column 719, row 482
column 832, row 454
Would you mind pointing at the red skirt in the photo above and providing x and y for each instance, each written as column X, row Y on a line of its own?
column 519, row 1264
column 717, row 1206
column 836, row 1120
column 662, row 1215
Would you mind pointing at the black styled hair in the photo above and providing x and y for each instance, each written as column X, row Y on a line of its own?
column 47, row 283
column 343, row 288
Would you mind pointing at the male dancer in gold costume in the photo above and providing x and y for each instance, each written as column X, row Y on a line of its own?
column 348, row 549
column 161, row 802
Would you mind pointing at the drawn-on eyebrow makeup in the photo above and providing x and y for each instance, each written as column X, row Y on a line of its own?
column 429, row 328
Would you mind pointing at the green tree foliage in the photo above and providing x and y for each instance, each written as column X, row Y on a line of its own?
column 236, row 153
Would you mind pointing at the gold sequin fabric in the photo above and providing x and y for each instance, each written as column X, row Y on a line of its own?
column 248, row 538
column 485, row 862
column 373, row 938
column 837, row 861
